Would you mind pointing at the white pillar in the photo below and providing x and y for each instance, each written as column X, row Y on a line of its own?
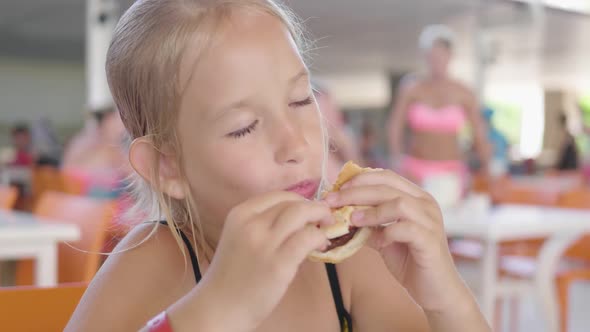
column 480, row 51
column 101, row 18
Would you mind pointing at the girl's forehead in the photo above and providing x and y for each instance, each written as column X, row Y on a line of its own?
column 236, row 35
column 248, row 57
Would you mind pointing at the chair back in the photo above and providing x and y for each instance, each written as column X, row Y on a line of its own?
column 34, row 309
column 80, row 260
column 8, row 197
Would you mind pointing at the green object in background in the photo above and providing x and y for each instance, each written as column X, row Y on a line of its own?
column 585, row 103
column 583, row 141
column 507, row 119
column 583, row 145
column 585, row 108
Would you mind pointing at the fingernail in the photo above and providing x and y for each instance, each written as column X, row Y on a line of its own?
column 331, row 198
column 357, row 216
column 325, row 246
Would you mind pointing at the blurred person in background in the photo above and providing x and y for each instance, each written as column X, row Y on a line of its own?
column 46, row 144
column 342, row 146
column 408, row 81
column 95, row 156
column 500, row 159
column 96, row 160
column 22, row 155
column 17, row 161
column 568, row 158
column 369, row 149
column 435, row 109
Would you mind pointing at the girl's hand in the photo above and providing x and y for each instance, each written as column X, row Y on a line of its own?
column 263, row 242
column 409, row 234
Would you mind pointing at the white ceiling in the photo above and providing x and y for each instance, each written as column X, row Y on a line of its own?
column 352, row 36
column 372, row 34
column 376, row 35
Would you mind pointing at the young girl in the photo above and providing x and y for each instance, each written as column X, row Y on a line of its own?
column 228, row 142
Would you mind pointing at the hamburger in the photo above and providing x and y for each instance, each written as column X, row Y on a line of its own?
column 345, row 238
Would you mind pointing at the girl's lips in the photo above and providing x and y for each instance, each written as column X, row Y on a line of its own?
column 306, row 188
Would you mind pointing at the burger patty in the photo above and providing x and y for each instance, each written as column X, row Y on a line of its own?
column 342, row 240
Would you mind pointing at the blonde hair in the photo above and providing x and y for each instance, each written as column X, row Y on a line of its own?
column 143, row 64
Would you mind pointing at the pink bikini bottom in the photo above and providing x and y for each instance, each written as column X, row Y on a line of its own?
column 419, row 169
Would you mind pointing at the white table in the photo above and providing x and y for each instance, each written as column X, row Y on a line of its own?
column 23, row 236
column 10, row 174
column 561, row 227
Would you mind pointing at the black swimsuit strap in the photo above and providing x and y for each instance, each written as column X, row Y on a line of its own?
column 191, row 253
column 343, row 315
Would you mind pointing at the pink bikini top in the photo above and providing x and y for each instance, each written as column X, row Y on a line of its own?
column 447, row 119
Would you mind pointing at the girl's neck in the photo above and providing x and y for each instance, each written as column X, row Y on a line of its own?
column 206, row 246
column 438, row 77
column 206, row 236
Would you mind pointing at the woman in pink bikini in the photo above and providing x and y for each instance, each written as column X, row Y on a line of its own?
column 435, row 109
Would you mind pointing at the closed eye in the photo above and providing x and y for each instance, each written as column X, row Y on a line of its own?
column 302, row 103
column 244, row 131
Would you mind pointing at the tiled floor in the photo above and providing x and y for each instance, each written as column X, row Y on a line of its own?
column 530, row 315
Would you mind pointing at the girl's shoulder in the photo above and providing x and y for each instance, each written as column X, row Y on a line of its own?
column 146, row 271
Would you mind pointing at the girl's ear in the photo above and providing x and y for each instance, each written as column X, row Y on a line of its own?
column 143, row 155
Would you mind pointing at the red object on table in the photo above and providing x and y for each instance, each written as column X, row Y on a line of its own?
column 160, row 323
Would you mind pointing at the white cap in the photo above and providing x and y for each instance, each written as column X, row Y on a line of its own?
column 433, row 33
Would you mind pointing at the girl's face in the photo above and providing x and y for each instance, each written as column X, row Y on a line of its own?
column 438, row 59
column 248, row 121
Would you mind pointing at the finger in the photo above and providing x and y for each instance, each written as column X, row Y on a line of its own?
column 388, row 178
column 376, row 195
column 300, row 244
column 295, row 216
column 421, row 241
column 406, row 208
column 364, row 195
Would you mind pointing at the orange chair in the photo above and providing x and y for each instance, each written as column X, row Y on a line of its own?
column 514, row 193
column 505, row 191
column 577, row 199
column 580, row 251
column 78, row 261
column 34, row 309
column 47, row 178
column 481, row 184
column 574, row 174
column 508, row 192
column 72, row 185
column 43, row 179
column 8, row 196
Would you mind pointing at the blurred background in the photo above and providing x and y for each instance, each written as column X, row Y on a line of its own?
column 518, row 78
column 514, row 56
